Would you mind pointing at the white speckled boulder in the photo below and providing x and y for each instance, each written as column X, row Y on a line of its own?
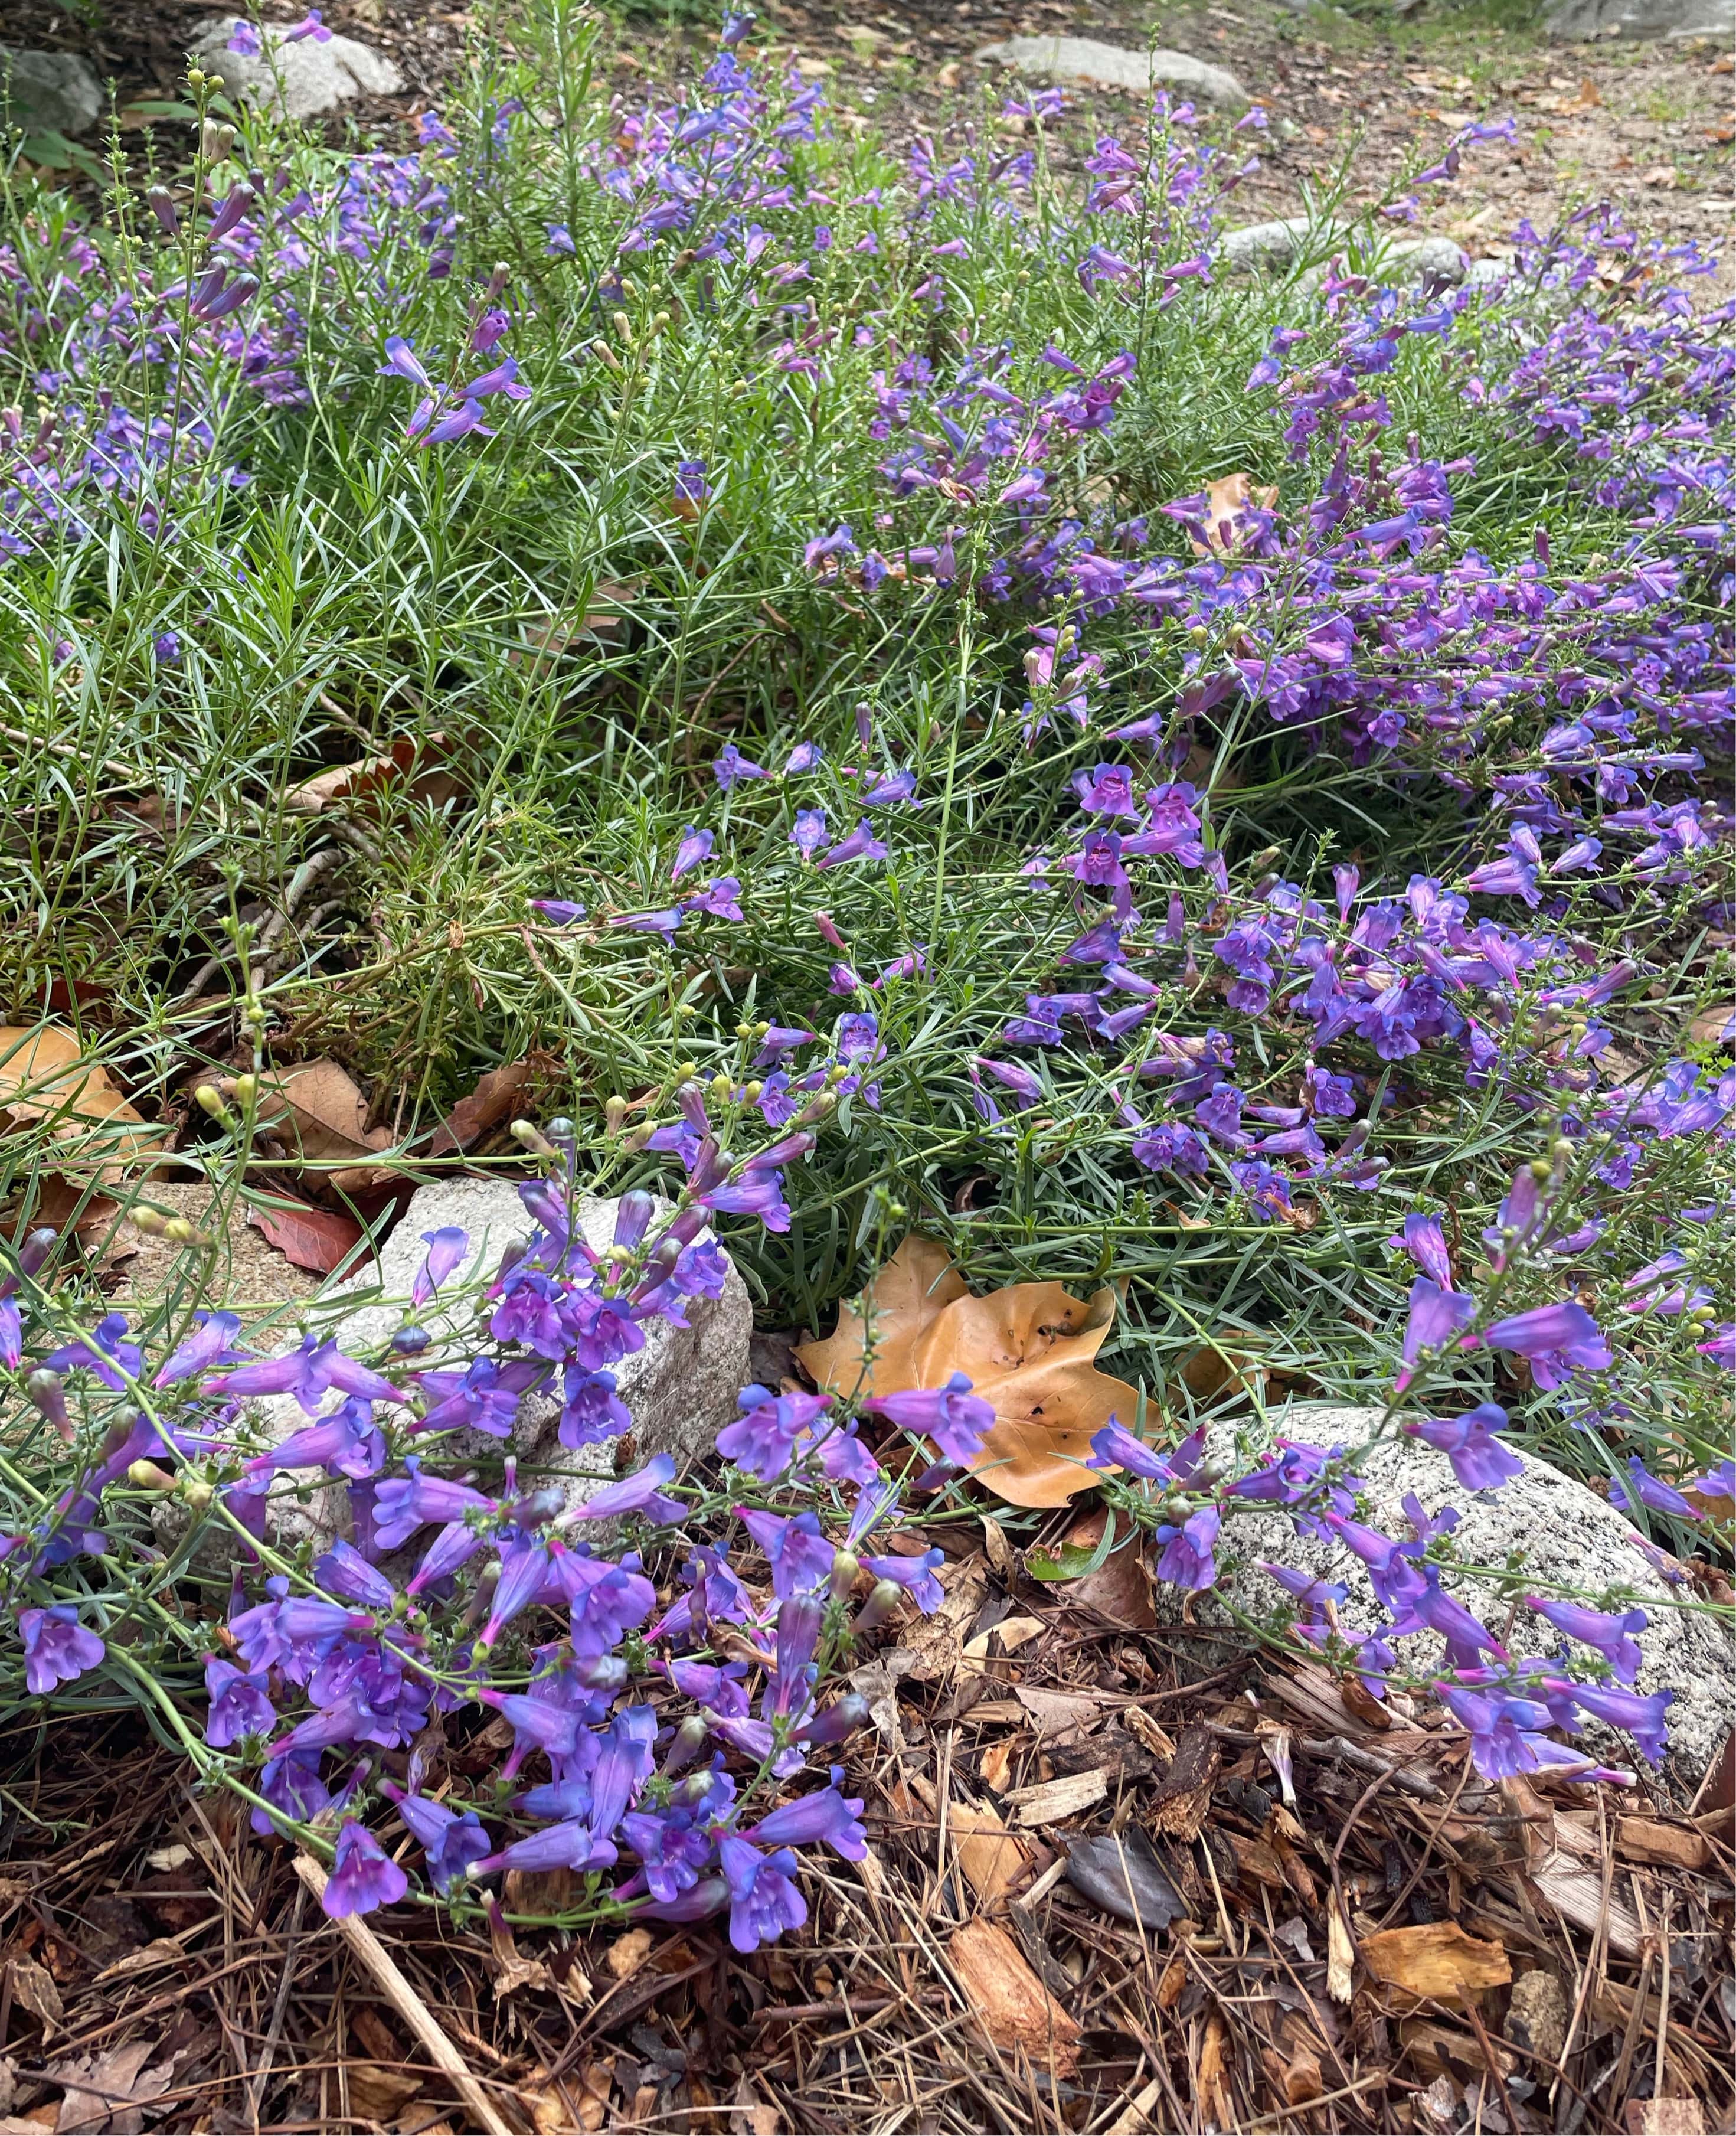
column 1543, row 1522
column 302, row 80
column 1087, row 61
column 680, row 1389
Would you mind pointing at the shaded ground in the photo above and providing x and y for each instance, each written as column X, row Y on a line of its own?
column 1651, row 127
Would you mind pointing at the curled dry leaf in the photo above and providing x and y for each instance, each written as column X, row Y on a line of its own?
column 321, row 1240
column 44, row 1077
column 409, row 767
column 318, row 1109
column 1027, row 1350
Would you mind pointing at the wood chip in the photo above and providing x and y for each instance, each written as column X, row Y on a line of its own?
column 1671, row 1846
column 1055, row 1799
column 1182, row 1797
column 1011, row 2005
column 992, row 1857
column 1438, row 1959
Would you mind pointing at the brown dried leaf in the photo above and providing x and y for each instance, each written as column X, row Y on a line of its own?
column 33, row 1990
column 1008, row 2000
column 106, row 2095
column 1715, row 1026
column 1027, row 1349
column 45, row 1077
column 404, row 767
column 493, row 1099
column 1438, row 1959
column 901, row 1302
column 319, row 1109
column 379, row 2094
column 322, row 1240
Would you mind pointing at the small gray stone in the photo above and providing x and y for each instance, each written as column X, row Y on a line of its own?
column 1114, row 67
column 1436, row 260
column 49, row 92
column 1487, row 273
column 1266, row 247
column 1553, row 1527
column 302, row 80
column 1577, row 19
column 679, row 1389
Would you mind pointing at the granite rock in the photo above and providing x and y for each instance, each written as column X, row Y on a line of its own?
column 1086, row 60
column 49, row 92
column 303, row 79
column 1544, row 1523
column 1578, row 19
column 679, row 1389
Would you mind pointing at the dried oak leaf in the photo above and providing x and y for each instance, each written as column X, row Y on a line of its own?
column 403, row 768
column 318, row 1109
column 45, row 1077
column 1027, row 1350
column 323, row 1241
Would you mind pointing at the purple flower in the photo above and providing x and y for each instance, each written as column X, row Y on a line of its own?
column 456, row 423
column 860, row 845
column 955, row 1419
column 1557, row 1339
column 1426, row 1244
column 558, row 911
column 57, row 1648
column 1479, row 1461
column 307, row 1373
column 764, row 1440
column 239, row 1704
column 809, row 834
column 402, row 362
column 503, row 378
column 1435, row 1317
column 451, row 1840
column 210, row 1344
column 732, row 767
column 916, row 1576
column 1642, row 1718
column 1641, row 1488
column 447, row 1248
column 694, row 849
column 1114, row 1446
column 641, row 1493
column 1186, row 1560
column 106, row 1350
column 799, row 1556
column 830, row 1816
column 764, row 1900
column 243, row 41
column 310, row 26
column 1611, row 1635
column 365, row 1875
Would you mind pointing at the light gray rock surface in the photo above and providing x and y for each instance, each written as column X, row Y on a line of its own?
column 678, row 1389
column 1425, row 259
column 1543, row 1522
column 303, row 79
column 1267, row 247
column 1085, row 60
column 1642, row 18
column 49, row 92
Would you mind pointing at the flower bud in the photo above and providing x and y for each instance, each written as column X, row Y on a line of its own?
column 147, row 1476
column 885, row 1598
column 562, row 1130
column 243, row 1091
column 36, row 1248
column 623, row 328
column 162, row 206
column 845, row 1567
column 838, row 1721
column 690, row 1740
column 606, row 356
column 411, row 1341
column 182, row 1231
column 46, row 1394
column 1540, row 1169
column 529, row 1136
column 209, row 1099
column 194, row 1491
column 614, row 1115
column 150, row 1221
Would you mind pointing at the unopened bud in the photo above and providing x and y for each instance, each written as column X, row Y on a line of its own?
column 36, row 1248
column 150, row 1221
column 885, row 1598
column 623, row 328
column 147, row 1476
column 194, row 1490
column 47, row 1396
column 529, row 1136
column 209, row 1099
column 561, row 1129
column 1541, row 1169
column 614, row 1115
column 690, row 1740
column 721, row 1085
column 411, row 1341
column 606, row 356
column 162, row 206
column 243, row 1091
column 845, row 1567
